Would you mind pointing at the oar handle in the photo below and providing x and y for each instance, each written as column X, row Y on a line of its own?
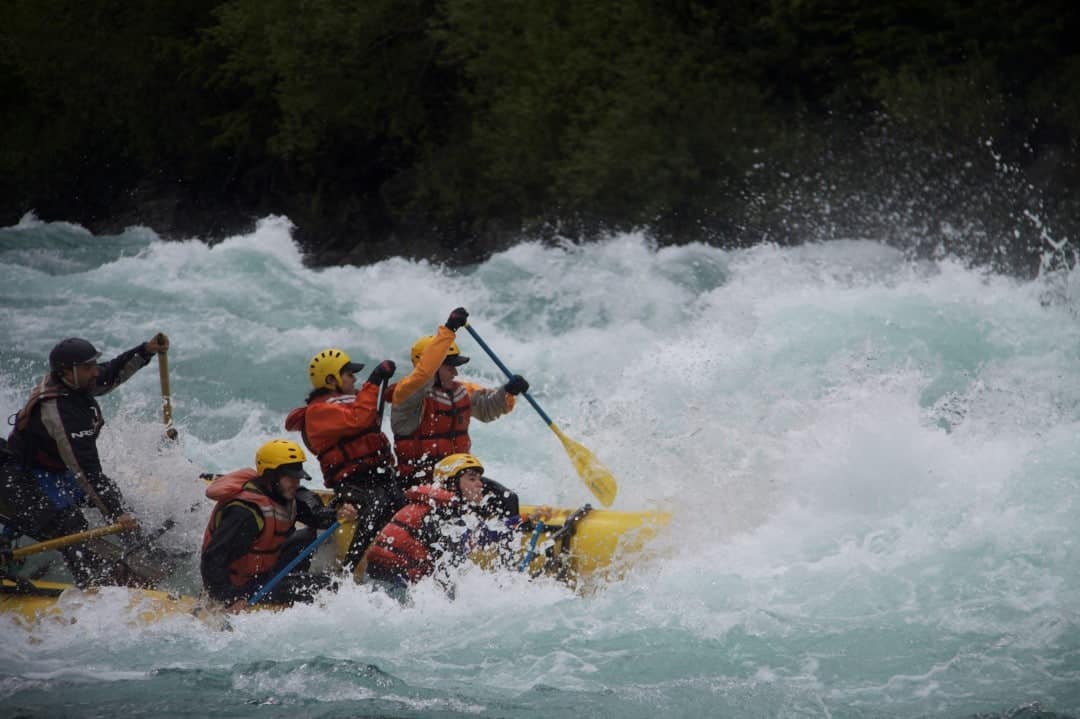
column 166, row 394
column 507, row 372
column 61, row 542
column 327, row 533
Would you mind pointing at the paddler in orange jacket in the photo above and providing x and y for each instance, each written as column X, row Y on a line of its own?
column 431, row 410
column 251, row 534
column 342, row 427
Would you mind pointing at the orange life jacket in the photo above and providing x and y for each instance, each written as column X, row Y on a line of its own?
column 48, row 388
column 239, row 486
column 397, row 548
column 443, row 430
column 342, row 450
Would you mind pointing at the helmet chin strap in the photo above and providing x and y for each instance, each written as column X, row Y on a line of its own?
column 74, row 381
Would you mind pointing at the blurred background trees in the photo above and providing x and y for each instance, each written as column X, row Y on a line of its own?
column 449, row 128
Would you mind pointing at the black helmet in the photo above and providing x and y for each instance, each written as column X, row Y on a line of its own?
column 70, row 352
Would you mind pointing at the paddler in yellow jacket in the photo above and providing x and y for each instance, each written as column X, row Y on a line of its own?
column 251, row 534
column 431, row 410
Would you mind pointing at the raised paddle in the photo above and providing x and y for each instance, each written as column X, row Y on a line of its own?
column 166, row 395
column 265, row 589
column 67, row 541
column 596, row 477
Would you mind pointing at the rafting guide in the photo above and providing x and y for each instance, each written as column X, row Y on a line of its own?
column 51, row 467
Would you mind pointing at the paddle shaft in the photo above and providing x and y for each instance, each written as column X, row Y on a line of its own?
column 532, row 547
column 67, row 541
column 598, row 479
column 507, row 372
column 166, row 394
column 266, row 588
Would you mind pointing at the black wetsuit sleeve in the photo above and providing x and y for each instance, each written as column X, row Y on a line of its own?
column 311, row 511
column 231, row 540
column 120, row 369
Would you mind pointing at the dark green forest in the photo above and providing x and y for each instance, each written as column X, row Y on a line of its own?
column 448, row 129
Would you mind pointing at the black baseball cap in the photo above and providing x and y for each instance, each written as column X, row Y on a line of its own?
column 455, row 360
column 294, row 469
column 353, row 367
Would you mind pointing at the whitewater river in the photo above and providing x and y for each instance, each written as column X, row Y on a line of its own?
column 873, row 466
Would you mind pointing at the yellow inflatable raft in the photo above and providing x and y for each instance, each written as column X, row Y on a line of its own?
column 36, row 601
column 584, row 548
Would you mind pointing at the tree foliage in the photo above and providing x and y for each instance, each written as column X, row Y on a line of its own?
column 448, row 125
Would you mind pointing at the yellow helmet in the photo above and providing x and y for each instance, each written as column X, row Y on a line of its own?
column 278, row 454
column 453, row 355
column 450, row 466
column 330, row 362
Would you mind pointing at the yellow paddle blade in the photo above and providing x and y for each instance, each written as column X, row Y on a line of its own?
column 596, row 477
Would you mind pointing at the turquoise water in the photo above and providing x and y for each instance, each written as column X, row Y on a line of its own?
column 872, row 464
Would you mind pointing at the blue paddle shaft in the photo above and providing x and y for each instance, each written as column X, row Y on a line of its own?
column 265, row 589
column 506, row 371
column 532, row 547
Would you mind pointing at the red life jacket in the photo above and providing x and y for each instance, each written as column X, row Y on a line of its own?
column 397, row 548
column 340, row 453
column 443, row 430
column 277, row 520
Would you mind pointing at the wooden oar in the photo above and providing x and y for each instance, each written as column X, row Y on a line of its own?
column 166, row 395
column 67, row 541
column 596, row 477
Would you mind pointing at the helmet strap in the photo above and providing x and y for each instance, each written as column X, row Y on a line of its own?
column 71, row 380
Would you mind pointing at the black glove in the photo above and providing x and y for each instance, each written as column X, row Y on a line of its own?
column 516, row 385
column 457, row 319
column 383, row 371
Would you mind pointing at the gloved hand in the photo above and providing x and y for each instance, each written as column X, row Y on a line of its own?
column 157, row 344
column 516, row 385
column 457, row 319
column 383, row 371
